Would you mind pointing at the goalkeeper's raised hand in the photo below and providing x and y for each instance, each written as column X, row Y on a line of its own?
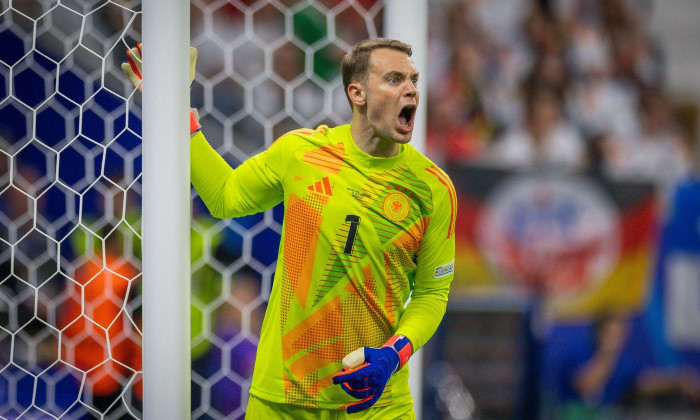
column 132, row 69
column 367, row 370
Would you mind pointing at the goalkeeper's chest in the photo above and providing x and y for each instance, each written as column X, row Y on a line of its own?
column 382, row 207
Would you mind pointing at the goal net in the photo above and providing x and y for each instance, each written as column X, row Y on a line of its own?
column 70, row 191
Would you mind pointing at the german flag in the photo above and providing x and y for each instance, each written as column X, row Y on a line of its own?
column 584, row 243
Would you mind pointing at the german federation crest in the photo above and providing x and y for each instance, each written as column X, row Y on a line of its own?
column 396, row 206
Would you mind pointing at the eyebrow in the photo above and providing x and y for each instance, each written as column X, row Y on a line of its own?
column 401, row 74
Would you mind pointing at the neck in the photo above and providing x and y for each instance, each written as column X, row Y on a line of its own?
column 367, row 140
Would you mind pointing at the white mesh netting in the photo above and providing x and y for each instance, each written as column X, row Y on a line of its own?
column 70, row 191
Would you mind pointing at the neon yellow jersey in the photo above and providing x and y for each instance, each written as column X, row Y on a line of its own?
column 360, row 234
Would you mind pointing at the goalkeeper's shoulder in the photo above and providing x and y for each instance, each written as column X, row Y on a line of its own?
column 301, row 138
column 284, row 149
column 442, row 191
column 428, row 170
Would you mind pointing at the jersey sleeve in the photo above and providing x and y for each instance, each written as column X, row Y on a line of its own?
column 252, row 187
column 434, row 267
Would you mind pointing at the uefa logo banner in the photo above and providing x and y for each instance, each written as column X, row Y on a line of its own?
column 581, row 242
column 555, row 234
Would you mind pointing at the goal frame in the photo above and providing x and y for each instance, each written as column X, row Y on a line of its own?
column 166, row 210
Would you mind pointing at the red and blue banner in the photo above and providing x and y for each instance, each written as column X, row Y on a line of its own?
column 584, row 244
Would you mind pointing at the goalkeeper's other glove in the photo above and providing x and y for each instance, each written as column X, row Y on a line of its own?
column 132, row 70
column 367, row 370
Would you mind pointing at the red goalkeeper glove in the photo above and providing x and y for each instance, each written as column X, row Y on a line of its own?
column 367, row 370
column 132, row 70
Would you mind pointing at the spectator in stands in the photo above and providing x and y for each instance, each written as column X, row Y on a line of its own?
column 544, row 140
column 458, row 118
column 608, row 366
column 588, row 368
column 590, row 380
column 551, row 68
column 637, row 58
column 597, row 101
column 660, row 153
column 598, row 54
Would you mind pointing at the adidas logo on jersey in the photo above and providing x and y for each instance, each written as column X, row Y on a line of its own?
column 323, row 186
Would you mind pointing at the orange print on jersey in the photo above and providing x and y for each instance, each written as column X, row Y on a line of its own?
column 330, row 158
column 411, row 237
column 323, row 186
column 368, row 293
column 365, row 311
column 317, row 359
column 444, row 180
column 317, row 337
column 323, row 324
column 300, row 243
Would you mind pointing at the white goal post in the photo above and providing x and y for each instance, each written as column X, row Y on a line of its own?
column 166, row 210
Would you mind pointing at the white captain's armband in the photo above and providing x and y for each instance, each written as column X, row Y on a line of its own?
column 444, row 270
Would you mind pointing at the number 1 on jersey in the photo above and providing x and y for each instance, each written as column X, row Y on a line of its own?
column 354, row 222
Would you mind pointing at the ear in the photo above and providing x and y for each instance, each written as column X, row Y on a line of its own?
column 357, row 95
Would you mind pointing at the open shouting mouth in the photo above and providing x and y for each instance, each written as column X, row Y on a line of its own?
column 406, row 118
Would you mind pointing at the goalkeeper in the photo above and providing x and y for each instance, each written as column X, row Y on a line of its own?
column 369, row 221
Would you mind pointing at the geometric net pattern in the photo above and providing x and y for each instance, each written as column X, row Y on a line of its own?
column 70, row 191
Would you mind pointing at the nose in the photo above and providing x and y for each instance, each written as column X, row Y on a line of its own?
column 411, row 90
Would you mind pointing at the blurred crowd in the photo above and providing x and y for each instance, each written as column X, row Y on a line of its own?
column 577, row 85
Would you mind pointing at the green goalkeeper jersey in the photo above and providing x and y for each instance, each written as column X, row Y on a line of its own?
column 360, row 235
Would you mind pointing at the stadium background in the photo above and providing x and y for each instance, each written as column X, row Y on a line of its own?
column 549, row 256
